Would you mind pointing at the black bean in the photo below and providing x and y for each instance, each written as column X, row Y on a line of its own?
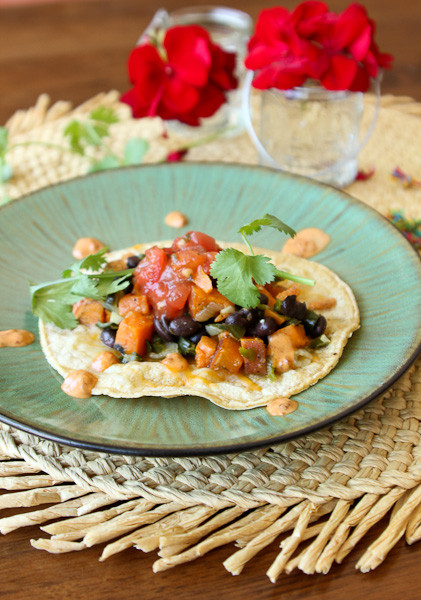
column 195, row 338
column 161, row 326
column 184, row 326
column 264, row 327
column 132, row 261
column 310, row 323
column 108, row 336
column 293, row 309
column 263, row 299
column 251, row 315
column 237, row 318
column 319, row 327
column 299, row 311
column 129, row 288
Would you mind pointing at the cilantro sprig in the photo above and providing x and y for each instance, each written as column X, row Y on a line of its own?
column 52, row 301
column 237, row 274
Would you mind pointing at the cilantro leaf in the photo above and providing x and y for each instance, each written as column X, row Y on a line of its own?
column 237, row 274
column 92, row 262
column 105, row 114
column 266, row 221
column 4, row 138
column 53, row 301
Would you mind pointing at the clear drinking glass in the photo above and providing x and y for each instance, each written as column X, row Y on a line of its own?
column 230, row 29
column 310, row 131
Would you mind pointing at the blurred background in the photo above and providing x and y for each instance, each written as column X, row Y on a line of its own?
column 73, row 49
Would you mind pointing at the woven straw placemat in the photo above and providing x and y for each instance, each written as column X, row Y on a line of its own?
column 318, row 494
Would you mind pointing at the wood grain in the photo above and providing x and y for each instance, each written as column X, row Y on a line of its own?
column 73, row 50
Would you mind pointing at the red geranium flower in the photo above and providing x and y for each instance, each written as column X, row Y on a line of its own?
column 185, row 78
column 337, row 50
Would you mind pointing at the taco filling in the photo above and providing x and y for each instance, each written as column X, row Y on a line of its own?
column 168, row 330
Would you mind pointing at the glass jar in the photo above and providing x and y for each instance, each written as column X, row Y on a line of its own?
column 230, row 29
column 310, row 131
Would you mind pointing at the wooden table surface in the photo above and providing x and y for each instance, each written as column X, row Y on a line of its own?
column 73, row 50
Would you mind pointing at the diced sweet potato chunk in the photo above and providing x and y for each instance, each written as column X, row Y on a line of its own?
column 281, row 351
column 205, row 349
column 205, row 305
column 130, row 302
column 264, row 290
column 133, row 332
column 227, row 355
column 297, row 335
column 293, row 290
column 257, row 362
column 89, row 312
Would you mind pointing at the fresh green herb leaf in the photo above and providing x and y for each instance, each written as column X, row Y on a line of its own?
column 266, row 221
column 248, row 353
column 52, row 301
column 135, row 151
column 92, row 262
column 105, row 114
column 4, row 139
column 237, row 274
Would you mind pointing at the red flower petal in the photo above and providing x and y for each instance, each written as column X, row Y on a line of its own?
column 349, row 26
column 361, row 81
column 131, row 98
column 188, row 53
column 270, row 24
column 307, row 15
column 275, row 76
column 340, row 73
column 361, row 46
column 262, row 55
column 144, row 60
column 211, row 98
column 176, row 156
column 178, row 96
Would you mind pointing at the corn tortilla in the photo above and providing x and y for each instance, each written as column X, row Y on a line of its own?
column 67, row 350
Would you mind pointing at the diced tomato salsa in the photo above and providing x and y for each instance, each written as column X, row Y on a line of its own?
column 165, row 274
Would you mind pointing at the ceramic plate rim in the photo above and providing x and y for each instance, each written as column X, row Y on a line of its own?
column 226, row 448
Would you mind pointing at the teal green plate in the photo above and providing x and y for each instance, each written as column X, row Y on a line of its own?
column 123, row 207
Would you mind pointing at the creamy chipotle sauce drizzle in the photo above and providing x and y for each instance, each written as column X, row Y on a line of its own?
column 15, row 338
column 86, row 246
column 307, row 242
column 79, row 384
column 281, row 406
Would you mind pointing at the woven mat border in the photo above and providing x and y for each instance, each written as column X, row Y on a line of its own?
column 319, row 494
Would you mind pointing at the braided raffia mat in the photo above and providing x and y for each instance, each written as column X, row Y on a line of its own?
column 319, row 494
